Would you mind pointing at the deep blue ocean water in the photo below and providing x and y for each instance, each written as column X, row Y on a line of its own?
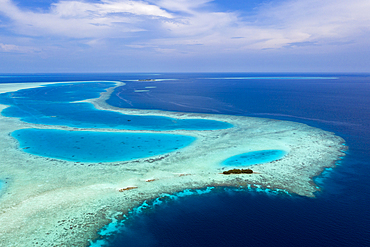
column 337, row 216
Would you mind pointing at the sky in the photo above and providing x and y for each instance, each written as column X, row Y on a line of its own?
column 68, row 36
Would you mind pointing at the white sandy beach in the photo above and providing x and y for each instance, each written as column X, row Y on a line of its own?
column 60, row 203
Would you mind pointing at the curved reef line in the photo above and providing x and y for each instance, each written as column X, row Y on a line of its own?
column 57, row 202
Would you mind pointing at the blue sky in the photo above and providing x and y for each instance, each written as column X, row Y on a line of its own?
column 184, row 36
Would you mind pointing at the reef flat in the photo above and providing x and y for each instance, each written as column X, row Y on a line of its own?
column 54, row 202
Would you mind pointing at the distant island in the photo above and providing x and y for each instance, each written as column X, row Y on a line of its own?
column 146, row 80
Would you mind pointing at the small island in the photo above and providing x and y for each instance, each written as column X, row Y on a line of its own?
column 238, row 171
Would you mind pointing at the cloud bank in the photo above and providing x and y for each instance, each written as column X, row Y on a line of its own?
column 188, row 26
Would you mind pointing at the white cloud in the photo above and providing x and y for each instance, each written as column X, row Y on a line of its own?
column 82, row 19
column 8, row 48
column 328, row 19
column 17, row 49
column 78, row 9
column 182, row 24
column 275, row 25
column 313, row 23
column 186, row 6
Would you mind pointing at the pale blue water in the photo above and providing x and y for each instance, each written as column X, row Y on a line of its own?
column 256, row 157
column 88, row 146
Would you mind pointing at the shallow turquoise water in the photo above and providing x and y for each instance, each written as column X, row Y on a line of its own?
column 2, row 187
column 59, row 104
column 88, row 146
column 256, row 157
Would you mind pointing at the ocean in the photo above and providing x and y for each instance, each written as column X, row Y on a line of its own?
column 336, row 216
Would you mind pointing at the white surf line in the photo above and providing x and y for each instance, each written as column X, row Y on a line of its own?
column 13, row 87
column 152, row 80
column 305, row 118
column 275, row 78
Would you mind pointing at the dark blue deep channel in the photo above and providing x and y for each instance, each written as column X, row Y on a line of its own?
column 88, row 146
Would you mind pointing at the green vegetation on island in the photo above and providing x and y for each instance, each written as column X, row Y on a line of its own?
column 238, row 171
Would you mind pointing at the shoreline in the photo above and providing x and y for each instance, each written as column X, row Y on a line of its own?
column 71, row 200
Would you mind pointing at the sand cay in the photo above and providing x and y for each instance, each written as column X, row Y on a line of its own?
column 52, row 202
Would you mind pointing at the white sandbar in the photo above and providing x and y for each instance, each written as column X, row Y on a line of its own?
column 61, row 203
column 141, row 91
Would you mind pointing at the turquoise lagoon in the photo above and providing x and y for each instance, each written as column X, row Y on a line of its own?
column 60, row 104
column 2, row 187
column 255, row 157
column 91, row 146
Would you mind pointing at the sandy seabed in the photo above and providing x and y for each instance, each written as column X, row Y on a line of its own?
column 51, row 202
